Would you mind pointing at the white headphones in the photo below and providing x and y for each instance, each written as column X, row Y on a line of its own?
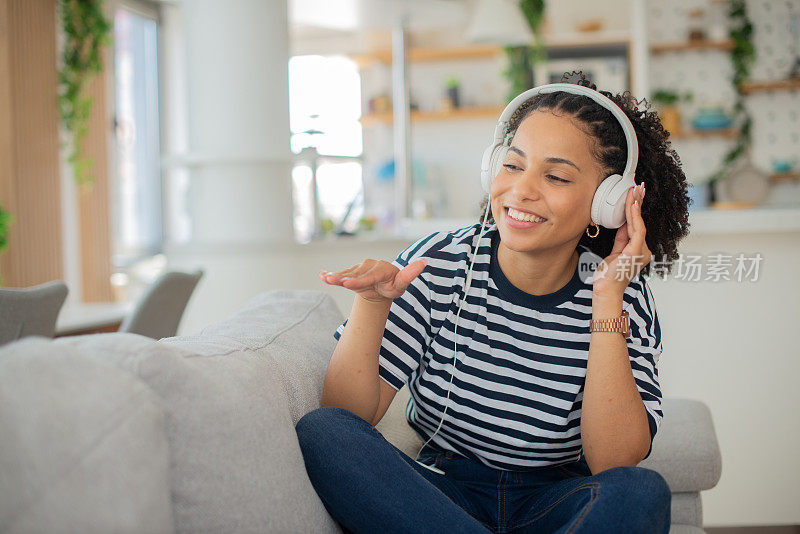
column 608, row 204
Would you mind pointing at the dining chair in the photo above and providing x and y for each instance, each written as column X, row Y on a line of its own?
column 30, row 311
column 158, row 311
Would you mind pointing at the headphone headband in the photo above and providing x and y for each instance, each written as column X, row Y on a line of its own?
column 501, row 130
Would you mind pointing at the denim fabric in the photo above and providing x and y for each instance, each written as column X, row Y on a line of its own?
column 368, row 485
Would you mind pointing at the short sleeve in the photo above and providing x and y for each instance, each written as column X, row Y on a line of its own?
column 644, row 349
column 408, row 327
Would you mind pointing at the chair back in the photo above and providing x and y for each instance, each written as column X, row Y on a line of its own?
column 160, row 308
column 30, row 311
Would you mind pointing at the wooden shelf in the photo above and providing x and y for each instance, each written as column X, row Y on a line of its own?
column 422, row 116
column 431, row 54
column 587, row 39
column 660, row 48
column 777, row 85
column 785, row 177
column 727, row 133
column 560, row 41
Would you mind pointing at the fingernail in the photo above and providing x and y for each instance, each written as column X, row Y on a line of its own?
column 644, row 190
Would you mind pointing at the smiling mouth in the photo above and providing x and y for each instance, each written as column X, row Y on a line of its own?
column 521, row 216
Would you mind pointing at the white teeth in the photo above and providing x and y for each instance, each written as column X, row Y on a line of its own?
column 525, row 217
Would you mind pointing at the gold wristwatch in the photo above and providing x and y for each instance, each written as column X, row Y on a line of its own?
column 619, row 324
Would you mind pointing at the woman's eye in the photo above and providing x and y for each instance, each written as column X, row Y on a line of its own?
column 512, row 167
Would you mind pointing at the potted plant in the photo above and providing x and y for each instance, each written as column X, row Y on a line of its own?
column 523, row 59
column 667, row 102
column 367, row 224
column 742, row 58
column 452, row 88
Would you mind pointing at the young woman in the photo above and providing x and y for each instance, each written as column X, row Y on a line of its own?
column 533, row 420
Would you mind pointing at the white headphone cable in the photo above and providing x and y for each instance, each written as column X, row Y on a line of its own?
column 455, row 334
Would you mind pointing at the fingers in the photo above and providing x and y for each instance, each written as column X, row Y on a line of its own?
column 328, row 277
column 381, row 277
column 408, row 273
column 638, row 230
column 335, row 278
column 363, row 280
column 363, row 275
column 629, row 198
column 620, row 239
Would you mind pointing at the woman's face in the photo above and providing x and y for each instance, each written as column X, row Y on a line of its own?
column 548, row 173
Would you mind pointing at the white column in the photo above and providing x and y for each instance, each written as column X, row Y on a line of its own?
column 640, row 50
column 232, row 150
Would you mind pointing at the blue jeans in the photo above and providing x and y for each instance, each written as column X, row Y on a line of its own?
column 369, row 485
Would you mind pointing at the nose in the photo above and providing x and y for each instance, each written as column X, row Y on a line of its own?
column 525, row 186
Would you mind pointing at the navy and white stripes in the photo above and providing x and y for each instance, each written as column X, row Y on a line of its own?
column 515, row 401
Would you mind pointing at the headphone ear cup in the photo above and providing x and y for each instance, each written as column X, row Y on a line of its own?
column 496, row 163
column 491, row 163
column 486, row 168
column 608, row 204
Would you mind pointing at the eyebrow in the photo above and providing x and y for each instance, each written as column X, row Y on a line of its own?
column 551, row 159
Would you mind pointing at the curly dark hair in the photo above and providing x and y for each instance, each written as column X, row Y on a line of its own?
column 666, row 212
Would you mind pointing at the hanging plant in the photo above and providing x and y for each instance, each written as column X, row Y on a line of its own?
column 742, row 58
column 522, row 59
column 86, row 31
column 5, row 225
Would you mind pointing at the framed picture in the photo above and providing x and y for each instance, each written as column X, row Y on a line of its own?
column 607, row 67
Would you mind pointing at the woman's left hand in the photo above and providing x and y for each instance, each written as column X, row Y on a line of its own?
column 630, row 253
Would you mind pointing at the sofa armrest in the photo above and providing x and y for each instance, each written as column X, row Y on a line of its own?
column 685, row 449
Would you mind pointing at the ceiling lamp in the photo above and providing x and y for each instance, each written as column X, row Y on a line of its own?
column 499, row 22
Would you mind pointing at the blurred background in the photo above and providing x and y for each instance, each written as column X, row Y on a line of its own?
column 263, row 140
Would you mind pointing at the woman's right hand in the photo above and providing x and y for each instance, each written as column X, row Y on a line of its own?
column 375, row 280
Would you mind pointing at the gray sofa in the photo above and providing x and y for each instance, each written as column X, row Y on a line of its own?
column 122, row 433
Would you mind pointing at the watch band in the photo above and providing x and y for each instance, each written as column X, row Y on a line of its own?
column 619, row 324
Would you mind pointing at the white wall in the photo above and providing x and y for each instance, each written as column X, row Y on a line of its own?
column 732, row 345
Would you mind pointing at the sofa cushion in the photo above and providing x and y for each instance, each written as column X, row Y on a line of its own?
column 292, row 330
column 236, row 462
column 83, row 445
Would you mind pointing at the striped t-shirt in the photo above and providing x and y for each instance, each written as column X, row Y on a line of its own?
column 515, row 401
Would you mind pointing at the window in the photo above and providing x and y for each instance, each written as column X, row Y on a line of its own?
column 324, row 113
column 137, row 221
